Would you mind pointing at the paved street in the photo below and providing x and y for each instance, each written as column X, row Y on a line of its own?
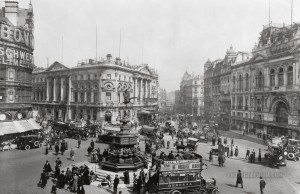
column 20, row 170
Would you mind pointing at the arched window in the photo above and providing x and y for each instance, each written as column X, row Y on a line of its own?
column 233, row 83
column 240, row 83
column 260, row 80
column 280, row 77
column 290, row 75
column 247, row 82
column 272, row 77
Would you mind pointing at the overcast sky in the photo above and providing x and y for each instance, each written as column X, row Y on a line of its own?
column 172, row 35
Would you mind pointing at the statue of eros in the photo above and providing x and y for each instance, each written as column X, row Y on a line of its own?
column 127, row 98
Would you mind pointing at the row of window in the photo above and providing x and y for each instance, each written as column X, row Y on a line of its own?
column 238, row 84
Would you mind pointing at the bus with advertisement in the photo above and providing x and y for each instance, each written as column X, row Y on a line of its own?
column 180, row 177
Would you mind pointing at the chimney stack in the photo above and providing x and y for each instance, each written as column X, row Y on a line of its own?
column 11, row 11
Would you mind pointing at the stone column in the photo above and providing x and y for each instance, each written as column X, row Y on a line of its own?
column 135, row 89
column 47, row 90
column 85, row 95
column 62, row 89
column 295, row 76
column 140, row 90
column 92, row 96
column 54, row 89
column 146, row 88
column 71, row 92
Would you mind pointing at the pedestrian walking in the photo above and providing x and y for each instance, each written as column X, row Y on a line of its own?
column 247, row 153
column 92, row 144
column 262, row 185
column 54, row 188
column 56, row 147
column 168, row 144
column 116, row 183
column 259, row 155
column 239, row 179
column 47, row 168
column 225, row 141
column 43, row 179
column 236, row 151
column 253, row 157
column 72, row 153
column 79, row 141
column 62, row 147
column 232, row 143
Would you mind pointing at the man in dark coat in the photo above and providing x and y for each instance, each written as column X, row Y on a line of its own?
column 43, row 179
column 57, row 171
column 62, row 148
column 58, row 162
column 92, row 144
column 61, row 180
column 47, row 168
column 56, row 147
column 239, row 179
column 116, row 183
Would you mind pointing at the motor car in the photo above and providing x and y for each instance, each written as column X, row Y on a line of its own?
column 276, row 155
column 190, row 146
column 28, row 142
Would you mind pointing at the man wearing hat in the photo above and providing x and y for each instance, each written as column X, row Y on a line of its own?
column 262, row 184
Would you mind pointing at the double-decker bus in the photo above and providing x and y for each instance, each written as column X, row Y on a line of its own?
column 180, row 177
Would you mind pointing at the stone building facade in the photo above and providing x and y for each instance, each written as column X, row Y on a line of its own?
column 265, row 88
column 16, row 64
column 94, row 91
column 191, row 95
column 217, row 83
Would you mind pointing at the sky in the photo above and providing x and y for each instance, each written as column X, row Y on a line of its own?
column 171, row 36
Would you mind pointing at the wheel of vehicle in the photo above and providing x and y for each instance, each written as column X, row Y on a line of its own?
column 175, row 192
column 297, row 150
column 214, row 191
column 291, row 156
column 292, row 148
column 27, row 147
column 36, row 144
column 297, row 158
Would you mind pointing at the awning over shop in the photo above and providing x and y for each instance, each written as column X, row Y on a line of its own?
column 20, row 126
column 144, row 112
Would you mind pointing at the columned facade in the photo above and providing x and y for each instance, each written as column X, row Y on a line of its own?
column 95, row 92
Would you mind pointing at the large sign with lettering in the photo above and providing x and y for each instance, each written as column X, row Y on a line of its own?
column 181, row 165
column 17, row 44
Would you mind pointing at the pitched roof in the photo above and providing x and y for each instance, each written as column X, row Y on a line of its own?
column 56, row 66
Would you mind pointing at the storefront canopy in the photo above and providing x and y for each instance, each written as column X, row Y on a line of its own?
column 20, row 126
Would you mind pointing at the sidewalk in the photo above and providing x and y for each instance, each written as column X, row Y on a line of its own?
column 238, row 135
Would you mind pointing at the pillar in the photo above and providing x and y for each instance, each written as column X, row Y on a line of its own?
column 54, row 89
column 146, row 89
column 92, row 96
column 62, row 89
column 78, row 96
column 71, row 92
column 276, row 79
column 135, row 89
column 47, row 89
column 85, row 96
column 140, row 90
